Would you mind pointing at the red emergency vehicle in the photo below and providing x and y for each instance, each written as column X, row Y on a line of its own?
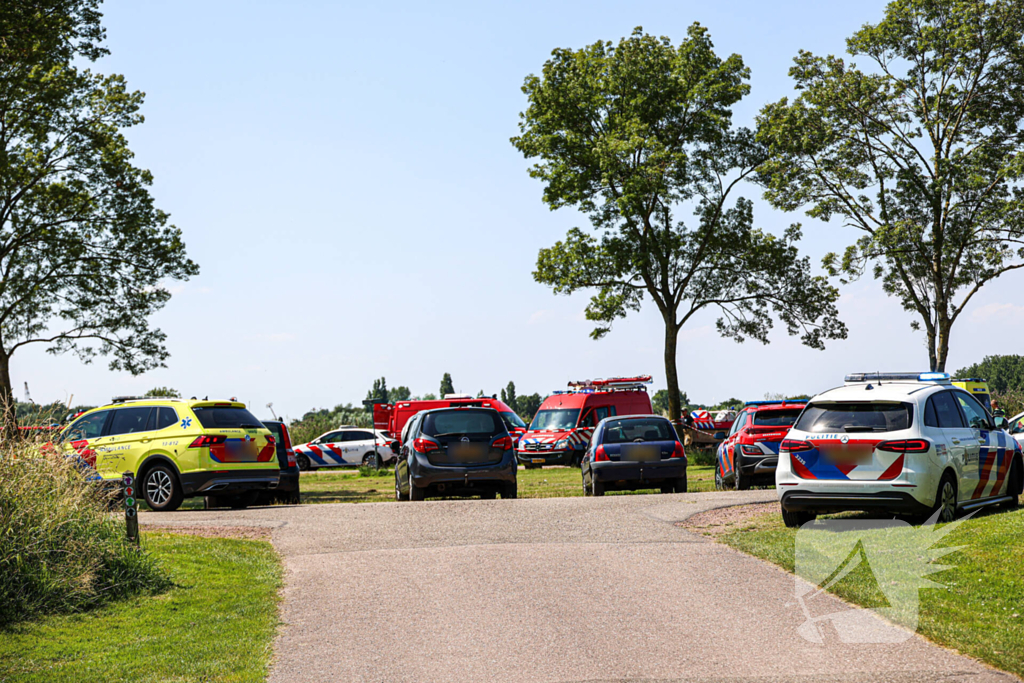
column 391, row 417
column 566, row 420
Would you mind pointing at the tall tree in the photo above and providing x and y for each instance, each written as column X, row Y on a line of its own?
column 446, row 385
column 163, row 392
column 399, row 394
column 923, row 153
column 527, row 406
column 635, row 136
column 379, row 392
column 84, row 253
column 660, row 401
column 508, row 395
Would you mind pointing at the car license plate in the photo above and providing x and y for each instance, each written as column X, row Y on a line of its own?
column 467, row 452
column 535, row 461
column 640, row 453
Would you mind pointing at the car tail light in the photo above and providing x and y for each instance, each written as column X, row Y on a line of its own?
column 600, row 455
column 678, row 451
column 795, row 445
column 207, row 441
column 905, row 446
column 425, row 445
column 751, row 450
column 291, row 458
column 287, row 437
column 503, row 444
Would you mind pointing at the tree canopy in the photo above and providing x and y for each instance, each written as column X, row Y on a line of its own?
column 636, row 135
column 85, row 255
column 446, row 385
column 1003, row 373
column 922, row 153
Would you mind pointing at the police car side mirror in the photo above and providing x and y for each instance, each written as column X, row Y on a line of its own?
column 1002, row 423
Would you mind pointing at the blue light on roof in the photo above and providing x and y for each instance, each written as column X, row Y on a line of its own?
column 933, row 377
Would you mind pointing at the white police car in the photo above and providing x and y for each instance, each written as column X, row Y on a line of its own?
column 902, row 443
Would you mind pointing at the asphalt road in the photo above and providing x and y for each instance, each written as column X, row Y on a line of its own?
column 553, row 590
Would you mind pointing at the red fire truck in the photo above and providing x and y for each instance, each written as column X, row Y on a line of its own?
column 391, row 417
column 566, row 420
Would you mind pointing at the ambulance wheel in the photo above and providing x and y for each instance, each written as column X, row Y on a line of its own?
column 303, row 462
column 797, row 518
column 1014, row 485
column 161, row 489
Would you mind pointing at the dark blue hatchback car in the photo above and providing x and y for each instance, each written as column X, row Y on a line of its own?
column 632, row 452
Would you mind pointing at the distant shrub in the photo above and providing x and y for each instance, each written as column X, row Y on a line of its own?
column 61, row 550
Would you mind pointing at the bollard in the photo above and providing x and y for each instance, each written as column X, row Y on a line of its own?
column 131, row 507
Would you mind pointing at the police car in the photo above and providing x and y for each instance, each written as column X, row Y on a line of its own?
column 901, row 443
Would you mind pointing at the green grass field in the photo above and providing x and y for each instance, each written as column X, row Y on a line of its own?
column 351, row 486
column 215, row 625
column 979, row 612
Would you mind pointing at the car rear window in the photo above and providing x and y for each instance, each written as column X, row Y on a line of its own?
column 643, row 429
column 275, row 429
column 462, row 422
column 776, row 418
column 562, row 418
column 858, row 416
column 226, row 418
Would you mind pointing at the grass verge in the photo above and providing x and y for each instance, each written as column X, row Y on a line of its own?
column 978, row 611
column 352, row 486
column 216, row 624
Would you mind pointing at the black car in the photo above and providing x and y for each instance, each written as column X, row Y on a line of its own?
column 634, row 452
column 456, row 452
column 287, row 489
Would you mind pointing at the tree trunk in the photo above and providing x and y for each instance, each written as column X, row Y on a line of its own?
column 671, row 378
column 932, row 360
column 942, row 346
column 8, row 407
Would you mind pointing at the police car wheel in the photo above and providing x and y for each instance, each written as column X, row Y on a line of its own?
column 719, row 484
column 1015, row 486
column 945, row 500
column 740, row 480
column 796, row 518
column 303, row 462
column 162, row 490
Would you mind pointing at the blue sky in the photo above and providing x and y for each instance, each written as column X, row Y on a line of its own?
column 342, row 174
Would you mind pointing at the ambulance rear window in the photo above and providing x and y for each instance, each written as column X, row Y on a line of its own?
column 226, row 418
column 858, row 416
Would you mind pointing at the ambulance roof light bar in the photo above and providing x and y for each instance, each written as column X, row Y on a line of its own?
column 861, row 377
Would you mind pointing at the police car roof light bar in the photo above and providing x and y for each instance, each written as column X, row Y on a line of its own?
column 860, row 377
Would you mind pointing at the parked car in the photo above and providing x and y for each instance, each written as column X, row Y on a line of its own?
column 391, row 418
column 456, row 452
column 176, row 448
column 1017, row 428
column 565, row 421
column 346, row 447
column 900, row 443
column 750, row 452
column 634, row 452
column 287, row 489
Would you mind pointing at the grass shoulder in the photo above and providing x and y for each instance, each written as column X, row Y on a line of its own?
column 979, row 608
column 216, row 623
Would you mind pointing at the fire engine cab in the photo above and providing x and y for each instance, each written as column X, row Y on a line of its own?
column 566, row 420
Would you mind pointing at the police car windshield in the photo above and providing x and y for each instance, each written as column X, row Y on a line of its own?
column 563, row 418
column 820, row 418
column 776, row 418
column 226, row 418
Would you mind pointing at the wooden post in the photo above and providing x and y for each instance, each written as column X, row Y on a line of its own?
column 131, row 507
